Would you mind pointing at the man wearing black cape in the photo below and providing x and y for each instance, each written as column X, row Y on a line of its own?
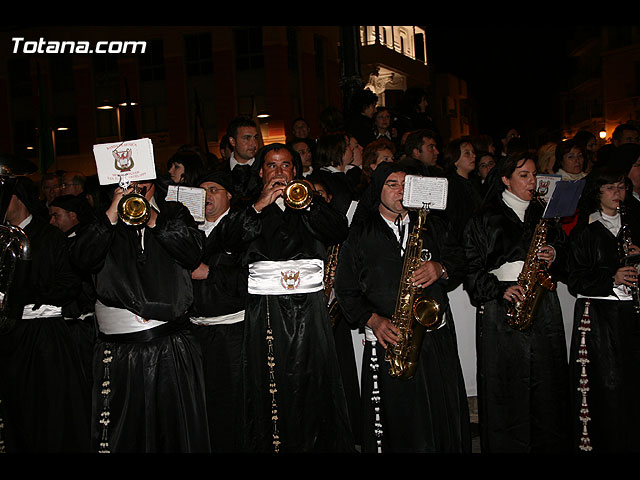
column 148, row 389
column 293, row 396
column 428, row 412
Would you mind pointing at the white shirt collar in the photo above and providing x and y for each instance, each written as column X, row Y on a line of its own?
column 233, row 162
column 208, row 226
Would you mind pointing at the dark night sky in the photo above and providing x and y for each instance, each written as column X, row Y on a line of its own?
column 514, row 73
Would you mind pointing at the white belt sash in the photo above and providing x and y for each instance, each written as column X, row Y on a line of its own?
column 287, row 277
column 219, row 320
column 508, row 272
column 44, row 311
column 112, row 320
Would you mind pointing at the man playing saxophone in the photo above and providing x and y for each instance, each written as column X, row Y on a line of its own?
column 427, row 412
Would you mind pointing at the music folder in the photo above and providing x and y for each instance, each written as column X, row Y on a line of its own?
column 564, row 199
column 430, row 191
column 191, row 197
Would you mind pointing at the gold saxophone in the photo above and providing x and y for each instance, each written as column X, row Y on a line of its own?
column 628, row 259
column 412, row 317
column 329, row 279
column 534, row 279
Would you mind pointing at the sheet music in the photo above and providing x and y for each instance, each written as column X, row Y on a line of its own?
column 191, row 197
column 419, row 190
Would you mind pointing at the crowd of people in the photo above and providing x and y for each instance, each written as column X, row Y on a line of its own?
column 234, row 334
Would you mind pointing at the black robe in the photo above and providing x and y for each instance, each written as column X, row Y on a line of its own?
column 45, row 395
column 223, row 292
column 312, row 413
column 523, row 394
column 612, row 344
column 154, row 376
column 428, row 413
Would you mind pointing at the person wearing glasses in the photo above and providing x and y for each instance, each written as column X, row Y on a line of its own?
column 72, row 183
column 605, row 345
column 217, row 317
column 428, row 412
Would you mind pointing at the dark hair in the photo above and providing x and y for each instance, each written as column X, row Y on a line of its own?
column 331, row 120
column 362, row 99
column 452, row 152
column 617, row 133
column 193, row 162
column 481, row 143
column 240, row 121
column 264, row 151
column 582, row 137
column 225, row 143
column 590, row 199
column 562, row 149
column 515, row 160
column 411, row 99
column 330, row 149
column 416, row 138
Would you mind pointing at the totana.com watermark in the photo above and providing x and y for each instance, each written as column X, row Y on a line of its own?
column 20, row 45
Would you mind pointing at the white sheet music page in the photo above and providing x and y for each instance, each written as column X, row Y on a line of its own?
column 191, row 197
column 420, row 190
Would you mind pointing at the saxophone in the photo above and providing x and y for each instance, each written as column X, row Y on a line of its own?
column 534, row 279
column 328, row 281
column 413, row 317
column 626, row 258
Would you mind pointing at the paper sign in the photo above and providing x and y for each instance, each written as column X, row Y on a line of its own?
column 546, row 184
column 124, row 162
column 431, row 191
column 191, row 197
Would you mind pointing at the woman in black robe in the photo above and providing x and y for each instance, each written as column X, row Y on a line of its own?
column 429, row 412
column 605, row 345
column 522, row 375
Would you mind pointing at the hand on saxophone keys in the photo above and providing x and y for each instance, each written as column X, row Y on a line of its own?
column 384, row 330
column 515, row 293
column 547, row 253
column 427, row 273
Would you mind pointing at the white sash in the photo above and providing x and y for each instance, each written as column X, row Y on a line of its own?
column 44, row 311
column 509, row 272
column 219, row 320
column 287, row 277
column 112, row 320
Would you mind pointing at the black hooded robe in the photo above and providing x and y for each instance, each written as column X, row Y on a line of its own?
column 429, row 412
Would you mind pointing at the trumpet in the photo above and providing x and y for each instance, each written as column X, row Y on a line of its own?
column 298, row 194
column 134, row 209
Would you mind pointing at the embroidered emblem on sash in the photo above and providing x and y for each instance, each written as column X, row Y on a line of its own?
column 290, row 279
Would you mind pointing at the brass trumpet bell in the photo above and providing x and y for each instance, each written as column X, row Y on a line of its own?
column 134, row 209
column 298, row 194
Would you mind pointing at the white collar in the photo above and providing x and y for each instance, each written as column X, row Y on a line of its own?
column 208, row 226
column 233, row 162
column 612, row 223
column 515, row 203
column 25, row 222
column 571, row 176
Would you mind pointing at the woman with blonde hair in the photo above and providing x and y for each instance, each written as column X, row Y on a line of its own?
column 546, row 158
